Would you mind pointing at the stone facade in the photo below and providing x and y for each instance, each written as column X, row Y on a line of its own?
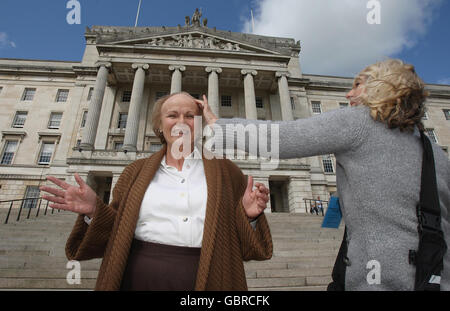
column 94, row 117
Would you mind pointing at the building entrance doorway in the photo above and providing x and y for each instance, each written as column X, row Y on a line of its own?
column 279, row 200
column 101, row 182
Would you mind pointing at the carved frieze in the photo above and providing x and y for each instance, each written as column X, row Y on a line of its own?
column 191, row 41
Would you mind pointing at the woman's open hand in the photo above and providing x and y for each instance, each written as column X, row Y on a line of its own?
column 81, row 200
column 208, row 114
column 255, row 201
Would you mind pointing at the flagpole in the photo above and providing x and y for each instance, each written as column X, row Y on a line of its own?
column 137, row 16
column 253, row 22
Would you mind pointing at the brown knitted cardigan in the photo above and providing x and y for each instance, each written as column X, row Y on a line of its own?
column 228, row 238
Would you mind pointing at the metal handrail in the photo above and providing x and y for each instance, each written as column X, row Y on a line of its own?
column 38, row 204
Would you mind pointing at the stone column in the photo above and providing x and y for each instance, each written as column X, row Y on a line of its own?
column 95, row 106
column 213, row 88
column 176, row 85
column 285, row 100
column 249, row 93
column 131, row 131
column 299, row 188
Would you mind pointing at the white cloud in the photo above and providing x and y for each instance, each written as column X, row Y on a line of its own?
column 5, row 42
column 336, row 38
column 444, row 81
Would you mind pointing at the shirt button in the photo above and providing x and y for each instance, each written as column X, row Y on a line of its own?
column 183, row 180
column 185, row 219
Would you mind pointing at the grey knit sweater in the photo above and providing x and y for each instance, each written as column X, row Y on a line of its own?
column 378, row 180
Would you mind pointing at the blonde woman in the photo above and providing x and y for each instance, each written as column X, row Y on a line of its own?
column 379, row 158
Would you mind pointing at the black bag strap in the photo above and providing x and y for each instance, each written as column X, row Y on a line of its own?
column 340, row 267
column 432, row 247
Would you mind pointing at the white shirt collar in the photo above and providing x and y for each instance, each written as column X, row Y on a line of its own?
column 193, row 156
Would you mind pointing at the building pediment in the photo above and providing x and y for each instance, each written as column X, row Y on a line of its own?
column 195, row 40
column 191, row 38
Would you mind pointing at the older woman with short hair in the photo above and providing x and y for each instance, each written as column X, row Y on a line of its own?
column 378, row 153
column 175, row 222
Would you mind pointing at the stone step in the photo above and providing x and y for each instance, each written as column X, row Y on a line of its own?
column 284, row 273
column 45, row 273
column 289, row 281
column 41, row 283
column 43, row 262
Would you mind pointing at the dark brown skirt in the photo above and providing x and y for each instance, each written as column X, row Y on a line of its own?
column 157, row 267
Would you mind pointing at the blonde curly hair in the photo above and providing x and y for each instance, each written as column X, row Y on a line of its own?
column 394, row 93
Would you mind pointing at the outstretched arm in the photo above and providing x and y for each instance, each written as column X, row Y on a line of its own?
column 331, row 132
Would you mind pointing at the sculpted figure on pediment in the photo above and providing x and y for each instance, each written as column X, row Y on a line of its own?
column 228, row 46
column 199, row 42
column 161, row 42
column 177, row 41
column 190, row 42
column 210, row 43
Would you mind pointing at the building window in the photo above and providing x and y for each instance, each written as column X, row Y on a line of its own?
column 83, row 119
column 19, row 119
column 343, row 105
column 45, row 156
column 55, row 120
column 425, row 116
column 292, row 103
column 118, row 145
column 432, row 135
column 31, row 197
column 8, row 152
column 91, row 90
column 1, row 89
column 316, row 107
column 122, row 120
column 155, row 147
column 447, row 114
column 78, row 143
column 327, row 164
column 28, row 94
column 259, row 102
column 161, row 94
column 225, row 101
column 61, row 96
column 126, row 96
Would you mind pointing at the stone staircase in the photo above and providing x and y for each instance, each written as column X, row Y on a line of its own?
column 303, row 255
column 32, row 254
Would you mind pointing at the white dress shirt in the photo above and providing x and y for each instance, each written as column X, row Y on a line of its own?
column 174, row 205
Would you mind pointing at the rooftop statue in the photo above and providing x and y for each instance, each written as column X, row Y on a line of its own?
column 196, row 18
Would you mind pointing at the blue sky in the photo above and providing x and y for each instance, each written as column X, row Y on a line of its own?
column 37, row 29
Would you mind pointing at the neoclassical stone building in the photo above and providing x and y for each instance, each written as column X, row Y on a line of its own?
column 94, row 117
